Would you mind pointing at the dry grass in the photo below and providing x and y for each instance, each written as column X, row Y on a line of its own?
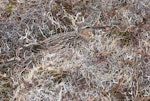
column 50, row 52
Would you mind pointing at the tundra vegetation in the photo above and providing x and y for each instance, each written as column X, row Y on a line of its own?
column 74, row 50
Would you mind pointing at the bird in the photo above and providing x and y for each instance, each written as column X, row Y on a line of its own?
column 66, row 40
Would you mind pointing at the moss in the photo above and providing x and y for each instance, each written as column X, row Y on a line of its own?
column 125, row 36
column 126, row 40
column 8, row 8
column 5, row 89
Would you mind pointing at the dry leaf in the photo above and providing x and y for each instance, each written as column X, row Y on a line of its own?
column 90, row 98
column 116, row 87
column 86, row 34
column 3, row 75
column 140, row 51
column 105, row 53
column 96, row 23
column 26, row 83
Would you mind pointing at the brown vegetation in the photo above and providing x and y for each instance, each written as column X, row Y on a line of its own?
column 74, row 50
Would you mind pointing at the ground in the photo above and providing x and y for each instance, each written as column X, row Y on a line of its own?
column 74, row 50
